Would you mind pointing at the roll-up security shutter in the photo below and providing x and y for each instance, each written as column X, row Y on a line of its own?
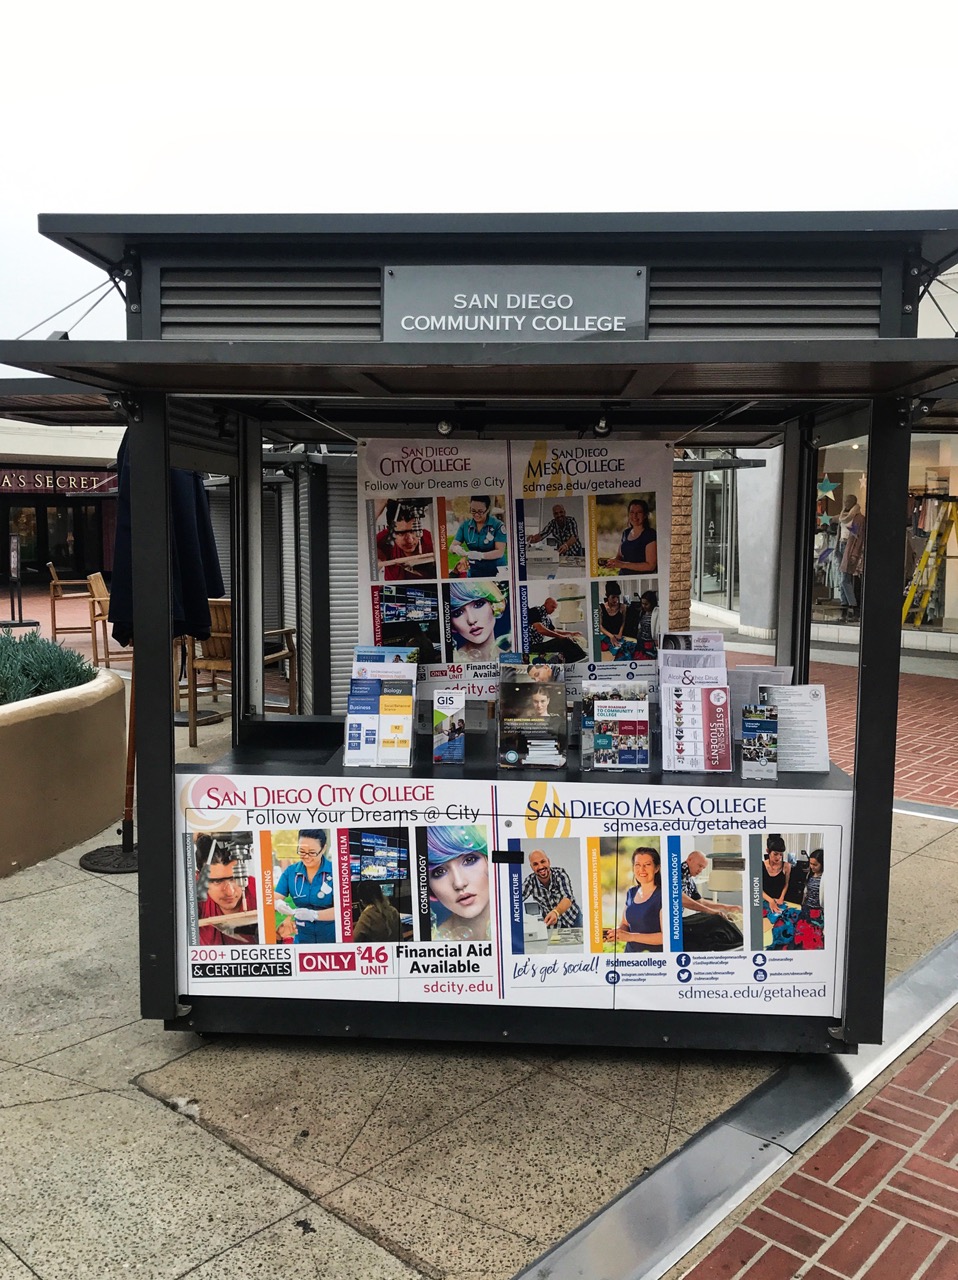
column 343, row 577
column 219, row 499
column 272, row 571
column 287, row 529
column 304, row 637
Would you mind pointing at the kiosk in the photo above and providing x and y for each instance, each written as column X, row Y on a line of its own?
column 537, row 341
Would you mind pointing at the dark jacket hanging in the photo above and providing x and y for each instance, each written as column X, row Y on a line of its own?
column 194, row 561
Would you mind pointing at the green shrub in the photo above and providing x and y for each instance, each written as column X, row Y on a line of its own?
column 31, row 665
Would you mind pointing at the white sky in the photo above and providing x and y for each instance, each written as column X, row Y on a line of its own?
column 505, row 105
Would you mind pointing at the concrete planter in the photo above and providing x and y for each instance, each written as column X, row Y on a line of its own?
column 63, row 769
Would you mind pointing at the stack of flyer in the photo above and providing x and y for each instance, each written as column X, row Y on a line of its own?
column 615, row 709
column 696, row 710
column 380, row 709
column 533, row 717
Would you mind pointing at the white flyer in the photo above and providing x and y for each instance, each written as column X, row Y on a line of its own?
column 802, row 726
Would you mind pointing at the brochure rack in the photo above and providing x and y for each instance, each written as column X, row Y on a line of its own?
column 375, row 363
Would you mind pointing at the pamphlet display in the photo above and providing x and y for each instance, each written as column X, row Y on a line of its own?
column 361, row 738
column 760, row 742
column 696, row 720
column 617, row 681
column 533, row 716
column 696, row 733
column 703, row 667
column 802, row 726
column 396, row 701
column 694, row 641
column 380, row 708
column 743, row 685
column 460, row 861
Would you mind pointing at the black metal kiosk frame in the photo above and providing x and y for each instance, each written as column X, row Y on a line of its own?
column 203, row 390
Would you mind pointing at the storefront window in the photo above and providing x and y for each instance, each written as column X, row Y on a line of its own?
column 842, row 505
column 61, row 538
column 23, row 521
column 840, row 512
column 930, row 543
column 715, row 542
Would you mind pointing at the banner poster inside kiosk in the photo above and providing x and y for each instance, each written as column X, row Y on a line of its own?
column 520, row 892
column 478, row 548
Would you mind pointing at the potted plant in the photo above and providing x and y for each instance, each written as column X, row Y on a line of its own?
column 62, row 748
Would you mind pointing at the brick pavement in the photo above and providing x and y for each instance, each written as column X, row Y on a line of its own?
column 926, row 765
column 877, row 1198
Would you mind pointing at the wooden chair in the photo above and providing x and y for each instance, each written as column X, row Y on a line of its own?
column 59, row 591
column 100, row 616
column 215, row 657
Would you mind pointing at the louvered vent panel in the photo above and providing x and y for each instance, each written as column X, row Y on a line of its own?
column 316, row 306
column 821, row 303
column 193, row 422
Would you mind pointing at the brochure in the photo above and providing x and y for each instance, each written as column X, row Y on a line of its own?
column 694, row 641
column 743, row 683
column 395, row 669
column 361, row 740
column 364, row 653
column 448, row 726
column 621, row 734
column 396, row 722
column 802, row 726
column 622, row 681
column 705, row 668
column 760, row 742
column 533, row 718
column 696, row 734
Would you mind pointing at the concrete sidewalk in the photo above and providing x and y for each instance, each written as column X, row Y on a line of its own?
column 127, row 1150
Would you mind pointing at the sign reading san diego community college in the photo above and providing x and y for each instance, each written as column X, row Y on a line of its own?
column 514, row 304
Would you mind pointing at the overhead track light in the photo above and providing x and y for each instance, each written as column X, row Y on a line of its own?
column 444, row 427
column 602, row 427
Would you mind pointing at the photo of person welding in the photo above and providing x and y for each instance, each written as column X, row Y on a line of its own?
column 404, row 543
column 225, row 890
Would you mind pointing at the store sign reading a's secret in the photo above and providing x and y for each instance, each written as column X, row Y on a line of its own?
column 515, row 304
column 29, row 480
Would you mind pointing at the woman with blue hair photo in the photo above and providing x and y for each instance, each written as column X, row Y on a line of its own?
column 458, row 872
column 478, row 617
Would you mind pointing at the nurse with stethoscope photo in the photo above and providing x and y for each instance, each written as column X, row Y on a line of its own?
column 309, row 883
